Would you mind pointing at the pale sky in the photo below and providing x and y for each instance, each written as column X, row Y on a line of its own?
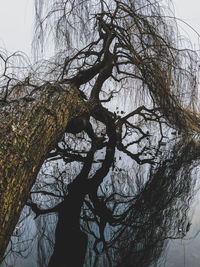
column 16, row 22
column 189, row 11
column 16, row 25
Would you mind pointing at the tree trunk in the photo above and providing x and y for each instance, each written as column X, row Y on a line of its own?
column 29, row 129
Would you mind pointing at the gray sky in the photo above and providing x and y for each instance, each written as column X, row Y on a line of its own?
column 16, row 22
column 188, row 10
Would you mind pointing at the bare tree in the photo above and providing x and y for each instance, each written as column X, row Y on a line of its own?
column 125, row 228
column 106, row 52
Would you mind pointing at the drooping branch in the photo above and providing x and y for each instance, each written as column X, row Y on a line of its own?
column 129, row 42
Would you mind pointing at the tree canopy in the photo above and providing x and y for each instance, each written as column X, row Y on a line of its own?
column 118, row 88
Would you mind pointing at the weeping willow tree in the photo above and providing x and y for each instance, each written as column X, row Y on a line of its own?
column 106, row 52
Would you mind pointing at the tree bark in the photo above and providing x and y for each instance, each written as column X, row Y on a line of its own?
column 29, row 129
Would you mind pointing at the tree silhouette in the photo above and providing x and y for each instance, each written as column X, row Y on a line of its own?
column 125, row 229
column 107, row 53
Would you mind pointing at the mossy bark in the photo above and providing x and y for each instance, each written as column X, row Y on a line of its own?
column 29, row 129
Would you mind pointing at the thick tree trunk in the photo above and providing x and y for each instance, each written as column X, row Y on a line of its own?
column 29, row 128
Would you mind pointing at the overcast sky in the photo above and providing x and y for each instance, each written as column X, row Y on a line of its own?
column 188, row 10
column 16, row 21
column 16, row 24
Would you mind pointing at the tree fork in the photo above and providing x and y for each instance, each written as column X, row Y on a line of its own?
column 29, row 128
